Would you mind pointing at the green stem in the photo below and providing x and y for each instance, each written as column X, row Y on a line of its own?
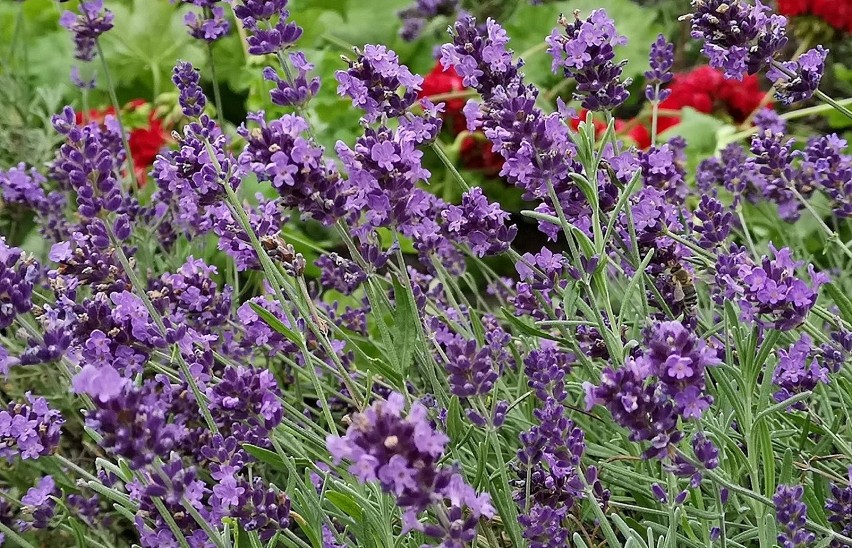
column 217, row 95
column 438, row 147
column 13, row 536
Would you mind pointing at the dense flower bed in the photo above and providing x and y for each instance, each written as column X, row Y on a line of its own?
column 234, row 335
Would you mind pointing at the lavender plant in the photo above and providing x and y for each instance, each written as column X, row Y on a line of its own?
column 655, row 374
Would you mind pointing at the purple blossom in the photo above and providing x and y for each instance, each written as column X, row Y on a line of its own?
column 767, row 119
column 245, row 404
column 279, row 152
column 92, row 21
column 192, row 98
column 797, row 372
column 340, row 273
column 134, row 424
column 739, row 38
column 383, row 169
column 546, row 368
column 641, row 408
column 210, row 26
column 716, row 221
column 480, row 56
column 552, row 448
column 300, row 90
column 373, row 81
column 192, row 178
column 798, row 80
column 661, row 60
column 39, row 503
column 768, row 289
column 480, row 224
column 18, row 273
column 29, row 430
column 791, row 514
column 826, row 166
column 266, row 20
column 472, row 371
column 678, row 359
column 839, row 505
column 401, row 453
column 585, row 53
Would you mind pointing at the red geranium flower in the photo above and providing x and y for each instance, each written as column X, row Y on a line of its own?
column 145, row 142
column 836, row 13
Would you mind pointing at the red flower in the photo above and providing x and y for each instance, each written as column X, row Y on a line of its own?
column 706, row 90
column 439, row 82
column 145, row 142
column 837, row 13
column 476, row 153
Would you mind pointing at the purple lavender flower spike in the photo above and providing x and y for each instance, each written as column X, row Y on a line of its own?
column 300, row 90
column 209, row 29
column 791, row 514
column 245, row 404
column 472, row 371
column 373, row 81
column 18, row 273
column 798, row 80
column 839, row 505
column 39, row 504
column 546, row 369
column 266, row 20
column 797, row 371
column 92, row 21
column 482, row 225
column 278, row 151
column 769, row 289
column 192, row 98
column 29, row 430
column 585, row 53
column 739, row 38
column 767, row 119
column 661, row 60
column 827, row 166
column 715, row 222
column 401, row 453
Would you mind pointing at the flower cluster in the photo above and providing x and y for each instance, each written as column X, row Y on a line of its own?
column 585, row 53
column 87, row 26
column 18, row 273
column 245, row 404
column 839, row 506
column 402, row 454
column 278, row 151
column 738, row 37
column 374, row 80
column 266, row 20
column 649, row 393
column 482, row 225
column 29, row 430
column 769, row 288
column 661, row 60
column 798, row 80
column 791, row 514
column 797, row 372
column 210, row 25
